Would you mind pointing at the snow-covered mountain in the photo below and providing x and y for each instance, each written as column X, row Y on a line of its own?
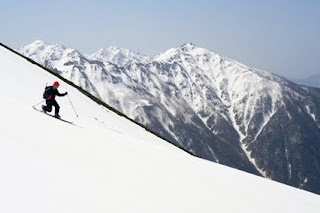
column 108, row 164
column 120, row 56
column 213, row 106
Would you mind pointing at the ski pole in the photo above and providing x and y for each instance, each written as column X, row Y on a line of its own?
column 72, row 106
column 41, row 101
column 38, row 103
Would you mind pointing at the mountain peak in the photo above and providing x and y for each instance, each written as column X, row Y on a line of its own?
column 185, row 49
column 187, row 46
column 119, row 56
column 111, row 50
column 42, row 51
column 38, row 45
column 39, row 42
column 34, row 46
column 112, row 47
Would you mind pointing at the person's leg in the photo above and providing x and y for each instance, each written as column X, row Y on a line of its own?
column 56, row 107
column 48, row 107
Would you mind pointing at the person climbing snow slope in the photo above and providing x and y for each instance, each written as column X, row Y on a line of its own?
column 49, row 94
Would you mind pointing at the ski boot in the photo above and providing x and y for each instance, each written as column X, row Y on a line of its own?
column 57, row 116
column 43, row 107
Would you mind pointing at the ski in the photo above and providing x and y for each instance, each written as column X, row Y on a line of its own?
column 61, row 119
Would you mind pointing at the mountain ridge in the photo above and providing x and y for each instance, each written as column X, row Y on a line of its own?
column 119, row 56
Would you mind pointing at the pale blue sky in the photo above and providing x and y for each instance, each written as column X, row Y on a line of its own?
column 281, row 36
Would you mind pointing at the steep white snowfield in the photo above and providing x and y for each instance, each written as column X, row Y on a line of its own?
column 107, row 164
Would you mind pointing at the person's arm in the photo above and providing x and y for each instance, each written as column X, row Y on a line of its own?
column 59, row 94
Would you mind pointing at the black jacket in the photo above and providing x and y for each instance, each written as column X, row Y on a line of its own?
column 51, row 93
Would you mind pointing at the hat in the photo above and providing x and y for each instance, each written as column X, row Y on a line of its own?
column 56, row 83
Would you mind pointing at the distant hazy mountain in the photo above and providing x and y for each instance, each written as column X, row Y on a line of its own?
column 313, row 80
column 217, row 108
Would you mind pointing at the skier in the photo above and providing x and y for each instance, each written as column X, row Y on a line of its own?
column 50, row 94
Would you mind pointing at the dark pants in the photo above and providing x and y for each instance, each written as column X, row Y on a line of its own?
column 50, row 103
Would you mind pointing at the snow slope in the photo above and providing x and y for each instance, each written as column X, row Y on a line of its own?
column 108, row 164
